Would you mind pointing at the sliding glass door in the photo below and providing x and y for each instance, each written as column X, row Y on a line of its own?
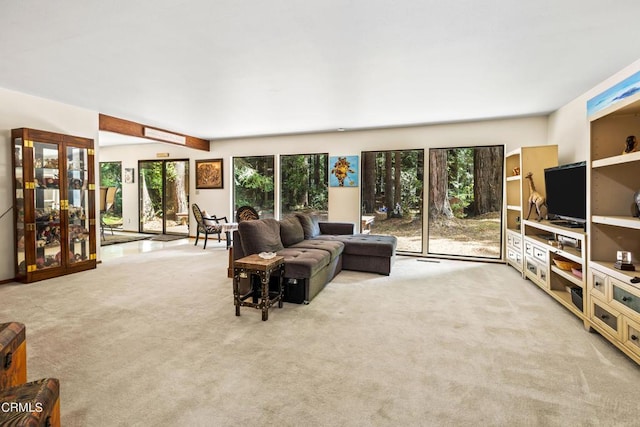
column 164, row 196
column 392, row 183
column 465, row 202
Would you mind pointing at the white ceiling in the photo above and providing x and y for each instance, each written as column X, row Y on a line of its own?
column 227, row 68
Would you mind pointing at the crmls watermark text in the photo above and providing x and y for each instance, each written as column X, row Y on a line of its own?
column 21, row 407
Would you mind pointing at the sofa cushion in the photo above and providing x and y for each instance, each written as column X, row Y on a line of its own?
column 262, row 235
column 369, row 245
column 291, row 231
column 334, row 247
column 309, row 224
column 303, row 263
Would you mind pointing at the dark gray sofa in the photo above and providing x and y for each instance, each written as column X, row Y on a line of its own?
column 314, row 251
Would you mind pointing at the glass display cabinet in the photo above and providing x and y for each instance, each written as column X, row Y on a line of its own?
column 54, row 203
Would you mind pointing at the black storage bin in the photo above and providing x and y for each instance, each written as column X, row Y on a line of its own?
column 576, row 297
column 294, row 290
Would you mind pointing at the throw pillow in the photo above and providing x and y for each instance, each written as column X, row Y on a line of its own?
column 291, row 231
column 309, row 225
column 261, row 235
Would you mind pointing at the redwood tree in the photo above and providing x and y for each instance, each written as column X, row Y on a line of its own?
column 369, row 184
column 388, row 181
column 438, row 183
column 397, row 171
column 487, row 176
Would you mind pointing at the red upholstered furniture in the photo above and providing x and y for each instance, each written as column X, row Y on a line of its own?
column 32, row 404
column 13, row 354
column 24, row 403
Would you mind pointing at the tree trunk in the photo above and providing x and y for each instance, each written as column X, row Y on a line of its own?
column 397, row 164
column 487, row 174
column 148, row 212
column 317, row 163
column 438, row 184
column 388, row 181
column 304, row 197
column 182, row 204
column 369, row 184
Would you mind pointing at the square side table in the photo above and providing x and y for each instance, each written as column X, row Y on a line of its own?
column 263, row 298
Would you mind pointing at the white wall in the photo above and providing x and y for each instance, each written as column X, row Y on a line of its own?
column 19, row 110
column 569, row 125
column 343, row 202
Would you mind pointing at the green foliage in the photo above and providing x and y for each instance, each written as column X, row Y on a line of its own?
column 295, row 181
column 254, row 183
column 457, row 207
column 304, row 182
column 151, row 173
column 411, row 159
column 111, row 176
column 460, row 179
column 319, row 200
column 411, row 191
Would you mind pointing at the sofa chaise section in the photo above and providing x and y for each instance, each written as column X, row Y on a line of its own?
column 368, row 252
column 362, row 252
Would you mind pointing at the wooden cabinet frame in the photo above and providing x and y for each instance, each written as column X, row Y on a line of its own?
column 612, row 182
column 518, row 163
column 68, row 215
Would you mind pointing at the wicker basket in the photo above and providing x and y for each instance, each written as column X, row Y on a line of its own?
column 565, row 264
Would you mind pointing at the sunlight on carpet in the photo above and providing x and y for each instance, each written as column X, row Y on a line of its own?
column 119, row 238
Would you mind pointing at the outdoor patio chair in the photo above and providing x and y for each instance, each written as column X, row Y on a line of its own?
column 107, row 200
column 207, row 224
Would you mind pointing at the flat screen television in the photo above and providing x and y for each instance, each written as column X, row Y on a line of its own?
column 566, row 188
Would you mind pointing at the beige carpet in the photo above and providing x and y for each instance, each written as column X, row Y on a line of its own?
column 152, row 340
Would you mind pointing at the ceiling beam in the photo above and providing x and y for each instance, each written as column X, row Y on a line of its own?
column 127, row 127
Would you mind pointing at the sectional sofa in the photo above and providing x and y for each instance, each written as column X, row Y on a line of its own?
column 314, row 251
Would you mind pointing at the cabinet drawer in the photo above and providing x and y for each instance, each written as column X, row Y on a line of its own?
column 513, row 255
column 536, row 272
column 605, row 317
column 540, row 254
column 624, row 297
column 517, row 242
column 631, row 335
column 514, row 241
column 598, row 284
column 528, row 248
column 532, row 267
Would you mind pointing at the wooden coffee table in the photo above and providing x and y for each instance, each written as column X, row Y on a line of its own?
column 253, row 266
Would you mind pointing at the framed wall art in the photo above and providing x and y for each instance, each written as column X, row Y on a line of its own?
column 617, row 93
column 209, row 174
column 344, row 171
